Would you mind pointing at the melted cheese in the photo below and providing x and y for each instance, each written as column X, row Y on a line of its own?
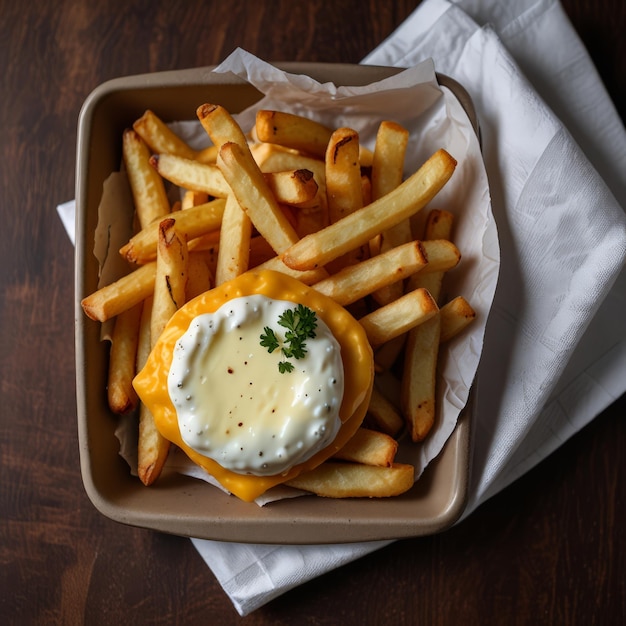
column 356, row 355
column 235, row 406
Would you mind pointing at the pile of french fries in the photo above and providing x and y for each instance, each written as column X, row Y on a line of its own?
column 297, row 197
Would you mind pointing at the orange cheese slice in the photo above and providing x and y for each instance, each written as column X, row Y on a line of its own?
column 356, row 355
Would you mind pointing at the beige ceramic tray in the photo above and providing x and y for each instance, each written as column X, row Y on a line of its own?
column 183, row 505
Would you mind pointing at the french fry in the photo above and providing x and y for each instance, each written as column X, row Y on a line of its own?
column 345, row 187
column 198, row 275
column 455, row 316
column 234, row 248
column 388, row 160
column 386, row 355
column 311, row 216
column 152, row 448
column 289, row 187
column 398, row 316
column 193, row 198
column 207, row 155
column 369, row 447
column 422, row 349
column 160, row 138
column 144, row 339
column 343, row 174
column 356, row 281
column 171, row 276
column 190, row 223
column 384, row 414
column 191, row 174
column 255, row 197
column 359, row 227
column 442, row 256
column 387, row 174
column 438, row 224
column 295, row 187
column 124, row 293
column 121, row 395
column 308, row 277
column 419, row 378
column 169, row 294
column 148, row 190
column 292, row 131
column 221, row 126
column 335, row 479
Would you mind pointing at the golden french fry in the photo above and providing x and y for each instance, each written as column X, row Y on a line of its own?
column 345, row 189
column 193, row 198
column 191, row 174
column 152, row 449
column 112, row 299
column 271, row 157
column 384, row 414
column 308, row 277
column 190, row 223
column 207, row 155
column 292, row 186
column 419, row 376
column 144, row 339
column 255, row 197
column 221, row 126
column 422, row 349
column 356, row 281
column 455, row 316
column 148, row 190
column 366, row 190
column 359, row 227
column 335, row 479
column 121, row 395
column 234, row 248
column 289, row 187
column 160, row 138
column 366, row 156
column 386, row 355
column 313, row 215
column 171, row 276
column 388, row 160
column 198, row 275
column 442, row 256
column 169, row 295
column 387, row 175
column 438, row 224
column 343, row 174
column 369, row 447
column 292, row 131
column 399, row 316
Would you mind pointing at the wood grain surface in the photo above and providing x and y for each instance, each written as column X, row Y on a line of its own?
column 549, row 550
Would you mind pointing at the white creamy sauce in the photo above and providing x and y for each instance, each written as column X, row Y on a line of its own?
column 233, row 404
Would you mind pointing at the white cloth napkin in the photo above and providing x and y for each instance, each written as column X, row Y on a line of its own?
column 555, row 153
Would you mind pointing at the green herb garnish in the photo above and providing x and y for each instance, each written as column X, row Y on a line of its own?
column 300, row 323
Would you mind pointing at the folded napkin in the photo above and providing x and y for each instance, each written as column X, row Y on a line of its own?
column 557, row 184
column 555, row 153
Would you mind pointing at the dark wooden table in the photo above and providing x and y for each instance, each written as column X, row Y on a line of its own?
column 550, row 549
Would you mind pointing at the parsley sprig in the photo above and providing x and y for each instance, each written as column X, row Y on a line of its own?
column 300, row 323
